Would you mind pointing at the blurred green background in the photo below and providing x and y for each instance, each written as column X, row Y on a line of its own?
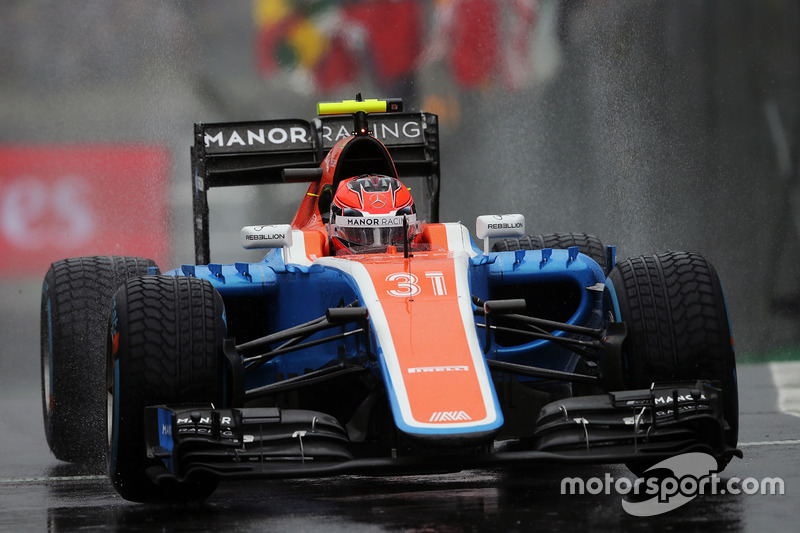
column 654, row 125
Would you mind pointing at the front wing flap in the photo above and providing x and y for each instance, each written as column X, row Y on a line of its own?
column 240, row 441
column 658, row 421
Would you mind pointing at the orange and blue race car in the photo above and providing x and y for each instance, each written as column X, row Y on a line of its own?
column 373, row 339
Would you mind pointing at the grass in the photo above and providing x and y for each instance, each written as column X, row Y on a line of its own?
column 787, row 353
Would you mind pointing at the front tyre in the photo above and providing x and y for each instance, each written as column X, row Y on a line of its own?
column 678, row 326
column 164, row 347
column 587, row 244
column 76, row 296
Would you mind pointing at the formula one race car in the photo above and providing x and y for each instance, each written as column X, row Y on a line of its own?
column 369, row 342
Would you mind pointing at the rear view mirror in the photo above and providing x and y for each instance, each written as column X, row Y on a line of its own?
column 272, row 236
column 494, row 226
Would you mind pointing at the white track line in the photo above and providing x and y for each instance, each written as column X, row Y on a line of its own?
column 786, row 377
column 788, row 442
column 46, row 479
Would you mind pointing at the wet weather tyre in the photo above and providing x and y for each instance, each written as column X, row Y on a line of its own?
column 76, row 298
column 678, row 328
column 587, row 244
column 164, row 347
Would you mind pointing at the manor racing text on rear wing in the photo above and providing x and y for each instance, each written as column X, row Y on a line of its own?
column 256, row 153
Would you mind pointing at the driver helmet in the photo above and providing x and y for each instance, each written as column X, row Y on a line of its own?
column 368, row 211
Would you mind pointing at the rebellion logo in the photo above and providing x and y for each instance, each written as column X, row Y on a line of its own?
column 505, row 225
column 269, row 237
column 450, row 416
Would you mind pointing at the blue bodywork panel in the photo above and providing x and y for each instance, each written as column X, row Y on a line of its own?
column 289, row 295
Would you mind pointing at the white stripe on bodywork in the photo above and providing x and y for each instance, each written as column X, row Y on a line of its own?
column 381, row 324
column 296, row 253
column 458, row 238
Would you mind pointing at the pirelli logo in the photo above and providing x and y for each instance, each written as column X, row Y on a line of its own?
column 426, row 369
column 450, row 416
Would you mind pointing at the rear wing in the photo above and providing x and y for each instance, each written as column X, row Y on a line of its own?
column 256, row 153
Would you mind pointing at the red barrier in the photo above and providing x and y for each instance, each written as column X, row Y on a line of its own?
column 69, row 201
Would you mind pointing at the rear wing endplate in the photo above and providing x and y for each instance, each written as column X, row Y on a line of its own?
column 256, row 153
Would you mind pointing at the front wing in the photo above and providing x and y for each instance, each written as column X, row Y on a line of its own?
column 644, row 425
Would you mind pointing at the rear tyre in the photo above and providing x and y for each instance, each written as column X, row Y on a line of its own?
column 76, row 297
column 164, row 347
column 587, row 244
column 678, row 328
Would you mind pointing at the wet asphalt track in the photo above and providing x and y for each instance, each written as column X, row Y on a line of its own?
column 39, row 493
